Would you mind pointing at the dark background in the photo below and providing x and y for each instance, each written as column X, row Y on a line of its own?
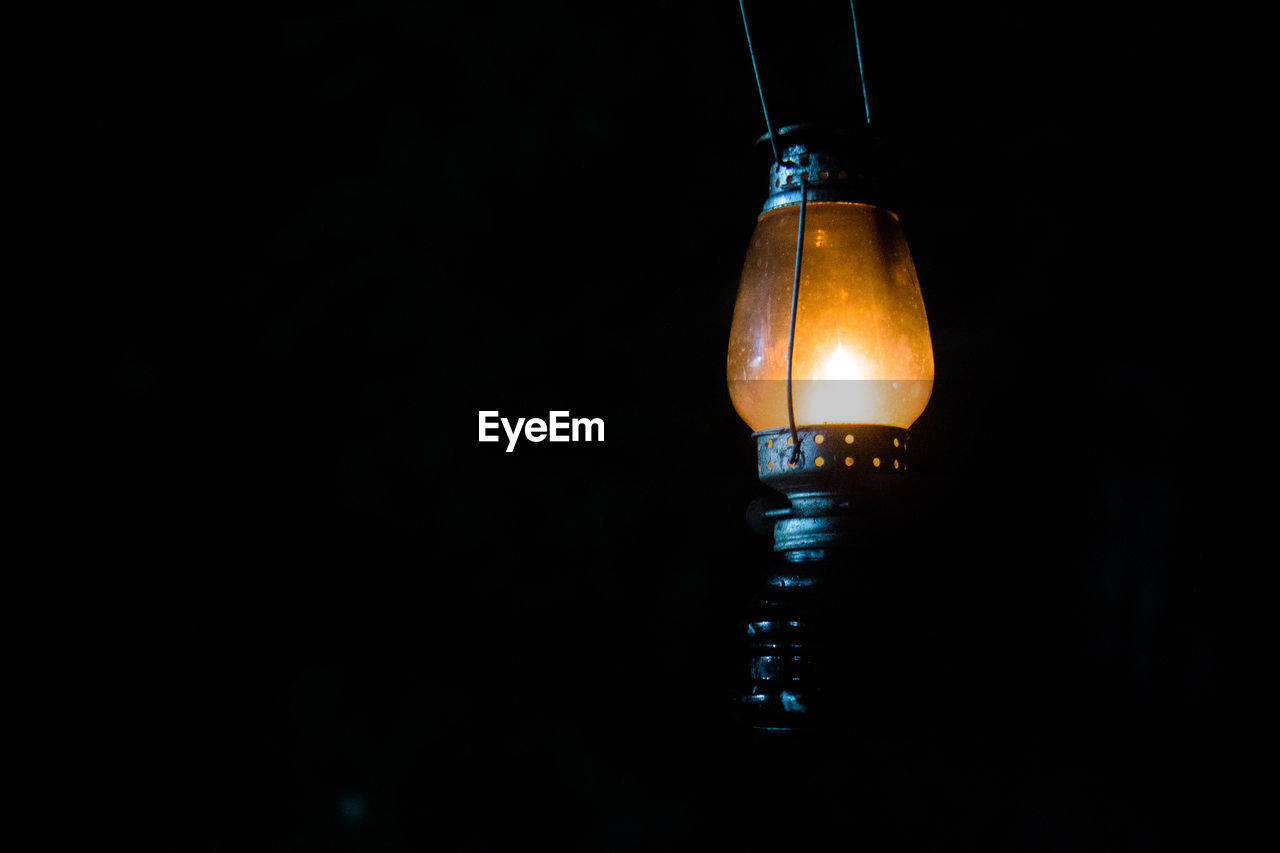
column 266, row 591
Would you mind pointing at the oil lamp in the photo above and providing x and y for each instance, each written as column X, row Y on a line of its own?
column 830, row 362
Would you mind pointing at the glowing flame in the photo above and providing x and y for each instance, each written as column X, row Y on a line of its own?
column 842, row 364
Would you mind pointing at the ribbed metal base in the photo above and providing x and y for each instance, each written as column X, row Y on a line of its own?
column 799, row 673
column 786, row 693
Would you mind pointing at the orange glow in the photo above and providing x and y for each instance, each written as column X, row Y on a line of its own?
column 862, row 353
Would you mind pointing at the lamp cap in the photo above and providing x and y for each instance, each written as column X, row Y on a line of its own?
column 835, row 163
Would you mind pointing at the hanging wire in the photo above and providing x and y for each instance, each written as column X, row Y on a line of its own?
column 795, row 301
column 759, row 87
column 862, row 77
column 804, row 200
column 795, row 282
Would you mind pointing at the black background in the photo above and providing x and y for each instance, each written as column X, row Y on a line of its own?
column 266, row 591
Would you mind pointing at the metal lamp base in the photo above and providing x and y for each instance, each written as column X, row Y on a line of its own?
column 799, row 677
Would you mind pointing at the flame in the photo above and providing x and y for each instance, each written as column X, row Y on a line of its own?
column 842, row 364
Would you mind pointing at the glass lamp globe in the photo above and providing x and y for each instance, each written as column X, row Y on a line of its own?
column 862, row 349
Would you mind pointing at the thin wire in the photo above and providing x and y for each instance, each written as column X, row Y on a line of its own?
column 804, row 200
column 791, row 334
column 759, row 87
column 862, row 77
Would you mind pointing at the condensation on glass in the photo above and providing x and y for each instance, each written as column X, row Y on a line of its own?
column 862, row 351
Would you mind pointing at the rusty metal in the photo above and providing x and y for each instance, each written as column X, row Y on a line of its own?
column 835, row 165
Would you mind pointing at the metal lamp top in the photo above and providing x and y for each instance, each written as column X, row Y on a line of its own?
column 833, row 162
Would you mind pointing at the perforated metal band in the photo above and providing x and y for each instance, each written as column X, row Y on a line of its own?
column 837, row 458
column 835, row 164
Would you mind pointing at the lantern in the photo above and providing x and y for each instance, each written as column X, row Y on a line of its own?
column 830, row 362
